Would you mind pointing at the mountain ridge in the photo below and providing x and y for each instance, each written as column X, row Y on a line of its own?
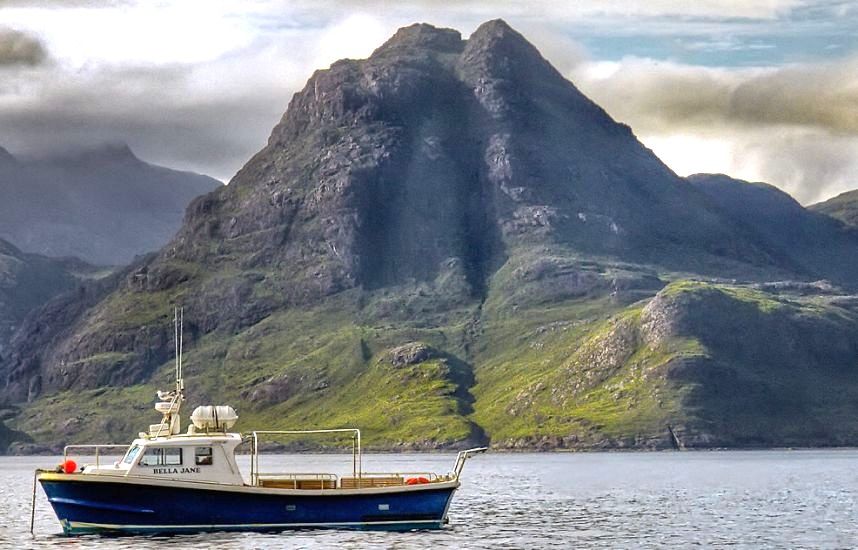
column 843, row 207
column 104, row 205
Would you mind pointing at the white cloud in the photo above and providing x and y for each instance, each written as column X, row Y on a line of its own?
column 354, row 37
column 143, row 33
column 795, row 127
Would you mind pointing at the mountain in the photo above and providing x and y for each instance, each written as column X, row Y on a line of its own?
column 844, row 207
column 104, row 205
column 28, row 281
column 812, row 243
column 448, row 243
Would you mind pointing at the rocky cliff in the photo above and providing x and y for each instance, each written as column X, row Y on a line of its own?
column 448, row 243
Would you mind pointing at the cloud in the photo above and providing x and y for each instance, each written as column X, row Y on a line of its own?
column 552, row 10
column 811, row 165
column 795, row 127
column 665, row 96
column 18, row 48
column 203, row 118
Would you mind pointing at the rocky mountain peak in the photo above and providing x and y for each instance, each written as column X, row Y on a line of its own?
column 109, row 152
column 88, row 157
column 495, row 33
column 436, row 150
column 423, row 36
column 497, row 50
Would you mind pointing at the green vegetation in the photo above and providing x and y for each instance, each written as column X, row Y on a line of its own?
column 588, row 371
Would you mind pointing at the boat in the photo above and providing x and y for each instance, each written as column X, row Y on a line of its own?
column 168, row 481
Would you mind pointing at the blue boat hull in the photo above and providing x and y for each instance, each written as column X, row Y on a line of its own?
column 84, row 506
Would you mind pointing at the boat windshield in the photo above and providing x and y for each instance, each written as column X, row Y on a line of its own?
column 131, row 454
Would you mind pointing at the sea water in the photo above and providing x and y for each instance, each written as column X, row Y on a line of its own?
column 739, row 499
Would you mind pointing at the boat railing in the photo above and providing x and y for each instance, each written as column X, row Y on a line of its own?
column 256, row 476
column 96, row 448
column 428, row 475
column 389, row 479
column 463, row 457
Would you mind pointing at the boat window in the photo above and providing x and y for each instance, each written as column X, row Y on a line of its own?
column 203, row 456
column 173, row 456
column 162, row 456
column 131, row 454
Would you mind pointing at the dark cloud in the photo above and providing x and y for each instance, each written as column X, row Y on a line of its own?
column 158, row 112
column 18, row 48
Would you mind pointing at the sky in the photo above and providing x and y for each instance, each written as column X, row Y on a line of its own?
column 762, row 90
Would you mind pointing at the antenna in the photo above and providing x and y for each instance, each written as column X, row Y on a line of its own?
column 176, row 340
column 180, row 383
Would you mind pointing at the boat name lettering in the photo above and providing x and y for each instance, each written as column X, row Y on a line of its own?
column 175, row 470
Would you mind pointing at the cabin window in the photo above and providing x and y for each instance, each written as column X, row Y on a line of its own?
column 203, row 456
column 131, row 454
column 173, row 457
column 162, row 456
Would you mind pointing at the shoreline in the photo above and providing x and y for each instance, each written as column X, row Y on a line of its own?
column 504, row 451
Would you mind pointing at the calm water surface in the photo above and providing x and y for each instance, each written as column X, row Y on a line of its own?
column 765, row 499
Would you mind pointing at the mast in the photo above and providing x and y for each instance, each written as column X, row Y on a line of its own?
column 171, row 402
column 179, row 327
column 175, row 421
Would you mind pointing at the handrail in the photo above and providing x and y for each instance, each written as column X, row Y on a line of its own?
column 96, row 447
column 430, row 475
column 463, row 456
column 254, row 448
column 173, row 402
column 298, row 475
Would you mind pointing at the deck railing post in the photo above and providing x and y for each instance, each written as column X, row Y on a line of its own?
column 254, row 467
column 33, row 505
column 360, row 460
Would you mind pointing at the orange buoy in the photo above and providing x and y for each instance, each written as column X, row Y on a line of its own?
column 416, row 481
column 69, row 466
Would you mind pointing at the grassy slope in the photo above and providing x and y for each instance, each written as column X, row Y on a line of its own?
column 537, row 365
column 327, row 372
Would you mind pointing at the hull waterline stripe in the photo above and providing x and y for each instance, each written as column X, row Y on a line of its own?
column 111, row 527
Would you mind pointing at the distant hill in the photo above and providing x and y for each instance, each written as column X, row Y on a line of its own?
column 809, row 242
column 844, row 207
column 27, row 281
column 104, row 206
column 446, row 244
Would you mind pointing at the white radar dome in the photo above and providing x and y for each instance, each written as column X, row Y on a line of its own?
column 216, row 418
